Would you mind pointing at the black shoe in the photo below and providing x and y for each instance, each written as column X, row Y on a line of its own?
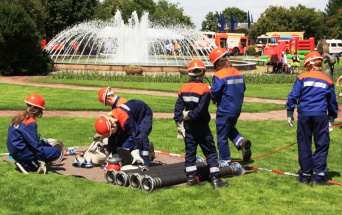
column 245, row 147
column 152, row 155
column 194, row 180
column 303, row 181
column 217, row 182
column 321, row 183
column 21, row 168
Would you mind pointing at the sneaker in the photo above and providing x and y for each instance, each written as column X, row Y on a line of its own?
column 21, row 168
column 321, row 183
column 152, row 155
column 245, row 147
column 194, row 180
column 217, row 182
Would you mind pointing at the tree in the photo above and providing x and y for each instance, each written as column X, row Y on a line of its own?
column 333, row 12
column 210, row 21
column 170, row 14
column 65, row 13
column 278, row 18
column 20, row 51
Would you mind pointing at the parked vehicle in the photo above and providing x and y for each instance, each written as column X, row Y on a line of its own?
column 335, row 47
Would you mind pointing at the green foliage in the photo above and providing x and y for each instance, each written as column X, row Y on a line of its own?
column 134, row 67
column 334, row 19
column 278, row 18
column 167, row 14
column 251, row 50
column 65, row 13
column 20, row 51
column 164, row 78
column 210, row 20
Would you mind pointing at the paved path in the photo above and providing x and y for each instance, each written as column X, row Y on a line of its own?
column 271, row 115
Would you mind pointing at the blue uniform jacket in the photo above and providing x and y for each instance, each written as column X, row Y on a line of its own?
column 228, row 91
column 25, row 137
column 314, row 93
column 132, row 117
column 194, row 97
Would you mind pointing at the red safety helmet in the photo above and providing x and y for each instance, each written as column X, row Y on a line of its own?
column 103, row 93
column 36, row 100
column 311, row 57
column 196, row 64
column 103, row 126
column 216, row 54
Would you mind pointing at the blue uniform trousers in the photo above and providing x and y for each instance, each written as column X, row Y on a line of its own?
column 313, row 163
column 225, row 128
column 202, row 136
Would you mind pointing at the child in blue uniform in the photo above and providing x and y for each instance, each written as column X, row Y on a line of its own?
column 227, row 92
column 192, row 108
column 133, row 118
column 23, row 144
column 314, row 95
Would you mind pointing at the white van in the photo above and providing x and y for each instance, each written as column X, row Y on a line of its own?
column 335, row 46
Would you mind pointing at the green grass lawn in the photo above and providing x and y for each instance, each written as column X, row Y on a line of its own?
column 255, row 193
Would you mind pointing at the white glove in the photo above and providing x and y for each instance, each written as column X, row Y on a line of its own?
column 136, row 157
column 42, row 167
column 331, row 123
column 290, row 117
column 186, row 115
column 180, row 130
column 289, row 120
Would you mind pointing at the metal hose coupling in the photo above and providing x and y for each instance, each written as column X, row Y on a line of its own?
column 148, row 183
column 135, row 180
column 122, row 179
column 237, row 168
column 110, row 176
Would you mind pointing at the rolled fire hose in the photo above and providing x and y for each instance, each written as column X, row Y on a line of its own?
column 58, row 145
column 149, row 183
column 122, row 178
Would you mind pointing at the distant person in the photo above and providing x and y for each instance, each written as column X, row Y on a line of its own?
column 192, row 108
column 227, row 92
column 314, row 95
column 295, row 63
column 23, row 143
column 168, row 48
column 245, row 52
column 175, row 48
column 283, row 61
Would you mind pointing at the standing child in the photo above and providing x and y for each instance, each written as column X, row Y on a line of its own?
column 314, row 95
column 192, row 107
column 228, row 93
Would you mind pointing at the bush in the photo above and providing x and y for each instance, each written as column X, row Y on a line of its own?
column 20, row 50
column 251, row 50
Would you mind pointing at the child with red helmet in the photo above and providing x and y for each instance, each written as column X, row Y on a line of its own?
column 227, row 92
column 314, row 95
column 23, row 144
column 192, row 108
column 130, row 120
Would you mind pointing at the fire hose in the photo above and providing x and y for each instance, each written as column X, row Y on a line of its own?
column 150, row 183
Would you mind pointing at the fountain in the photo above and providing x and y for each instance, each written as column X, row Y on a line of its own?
column 112, row 43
